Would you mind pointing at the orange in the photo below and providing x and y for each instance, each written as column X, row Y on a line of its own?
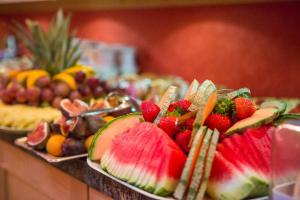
column 88, row 142
column 108, row 118
column 54, row 144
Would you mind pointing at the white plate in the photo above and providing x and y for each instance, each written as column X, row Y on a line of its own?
column 52, row 159
column 96, row 166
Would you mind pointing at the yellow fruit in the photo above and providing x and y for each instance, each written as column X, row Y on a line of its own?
column 67, row 78
column 108, row 118
column 33, row 76
column 88, row 142
column 54, row 144
column 21, row 77
column 73, row 70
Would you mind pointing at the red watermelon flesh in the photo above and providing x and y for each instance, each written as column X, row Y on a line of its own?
column 249, row 155
column 150, row 155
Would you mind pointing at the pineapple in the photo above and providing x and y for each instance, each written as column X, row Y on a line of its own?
column 53, row 50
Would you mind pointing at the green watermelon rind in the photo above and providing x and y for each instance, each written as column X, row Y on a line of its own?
column 103, row 128
column 280, row 105
column 239, row 92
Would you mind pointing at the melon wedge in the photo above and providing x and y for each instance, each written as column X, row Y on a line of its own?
column 168, row 97
column 208, row 164
column 103, row 138
column 260, row 117
column 145, row 152
column 192, row 91
column 189, row 166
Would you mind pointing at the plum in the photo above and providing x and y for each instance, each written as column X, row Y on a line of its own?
column 72, row 146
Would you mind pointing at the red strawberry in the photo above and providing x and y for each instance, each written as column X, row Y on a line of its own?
column 244, row 107
column 149, row 110
column 172, row 107
column 183, row 140
column 189, row 123
column 184, row 104
column 218, row 121
column 169, row 125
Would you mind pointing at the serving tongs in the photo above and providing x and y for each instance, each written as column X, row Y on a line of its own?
column 116, row 102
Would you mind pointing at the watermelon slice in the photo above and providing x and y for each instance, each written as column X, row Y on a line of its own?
column 242, row 162
column 103, row 138
column 146, row 157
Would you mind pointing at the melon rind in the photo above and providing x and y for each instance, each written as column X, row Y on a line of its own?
column 208, row 164
column 199, row 167
column 260, row 117
column 239, row 92
column 189, row 166
column 106, row 127
column 168, row 97
column 280, row 105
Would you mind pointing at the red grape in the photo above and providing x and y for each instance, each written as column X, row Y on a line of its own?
column 7, row 97
column 80, row 77
column 21, row 96
column 33, row 94
column 62, row 89
column 93, row 82
column 47, row 95
column 56, row 102
column 75, row 95
column 43, row 82
column 98, row 92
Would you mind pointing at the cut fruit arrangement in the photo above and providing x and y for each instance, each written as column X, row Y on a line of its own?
column 204, row 144
column 70, row 134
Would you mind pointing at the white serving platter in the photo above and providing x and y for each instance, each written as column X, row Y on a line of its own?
column 51, row 159
column 96, row 166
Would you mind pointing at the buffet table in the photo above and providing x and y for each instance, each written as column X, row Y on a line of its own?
column 34, row 178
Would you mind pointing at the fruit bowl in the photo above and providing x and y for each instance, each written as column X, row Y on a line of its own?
column 21, row 142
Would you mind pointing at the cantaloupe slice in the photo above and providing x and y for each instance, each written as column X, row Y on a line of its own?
column 259, row 117
column 192, row 91
column 166, row 100
column 103, row 138
column 208, row 164
column 199, row 167
column 189, row 166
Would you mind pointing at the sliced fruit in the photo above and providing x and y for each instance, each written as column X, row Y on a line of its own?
column 130, row 151
column 226, row 182
column 189, row 166
column 280, row 105
column 192, row 90
column 103, row 138
column 39, row 136
column 242, row 92
column 88, row 142
column 199, row 167
column 165, row 102
column 66, row 78
column 73, row 109
column 208, row 164
column 260, row 117
column 34, row 76
column 208, row 99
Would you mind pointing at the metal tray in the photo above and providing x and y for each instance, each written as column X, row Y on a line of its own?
column 51, row 159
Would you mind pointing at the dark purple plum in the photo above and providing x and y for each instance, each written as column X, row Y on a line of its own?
column 72, row 146
column 80, row 77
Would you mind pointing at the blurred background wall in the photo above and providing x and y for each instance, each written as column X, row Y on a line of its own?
column 255, row 45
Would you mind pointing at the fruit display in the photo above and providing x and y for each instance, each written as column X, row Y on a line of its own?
column 210, row 142
column 21, row 117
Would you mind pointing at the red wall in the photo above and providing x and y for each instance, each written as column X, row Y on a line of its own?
column 257, row 46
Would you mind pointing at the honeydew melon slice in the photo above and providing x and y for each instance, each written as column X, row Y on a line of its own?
column 259, row 117
column 192, row 91
column 199, row 167
column 166, row 100
column 103, row 138
column 280, row 105
column 239, row 92
column 189, row 166
column 208, row 99
column 208, row 164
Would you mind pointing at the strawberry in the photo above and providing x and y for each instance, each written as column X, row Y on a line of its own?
column 184, row 104
column 218, row 121
column 169, row 125
column 149, row 110
column 189, row 123
column 243, row 108
column 183, row 140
